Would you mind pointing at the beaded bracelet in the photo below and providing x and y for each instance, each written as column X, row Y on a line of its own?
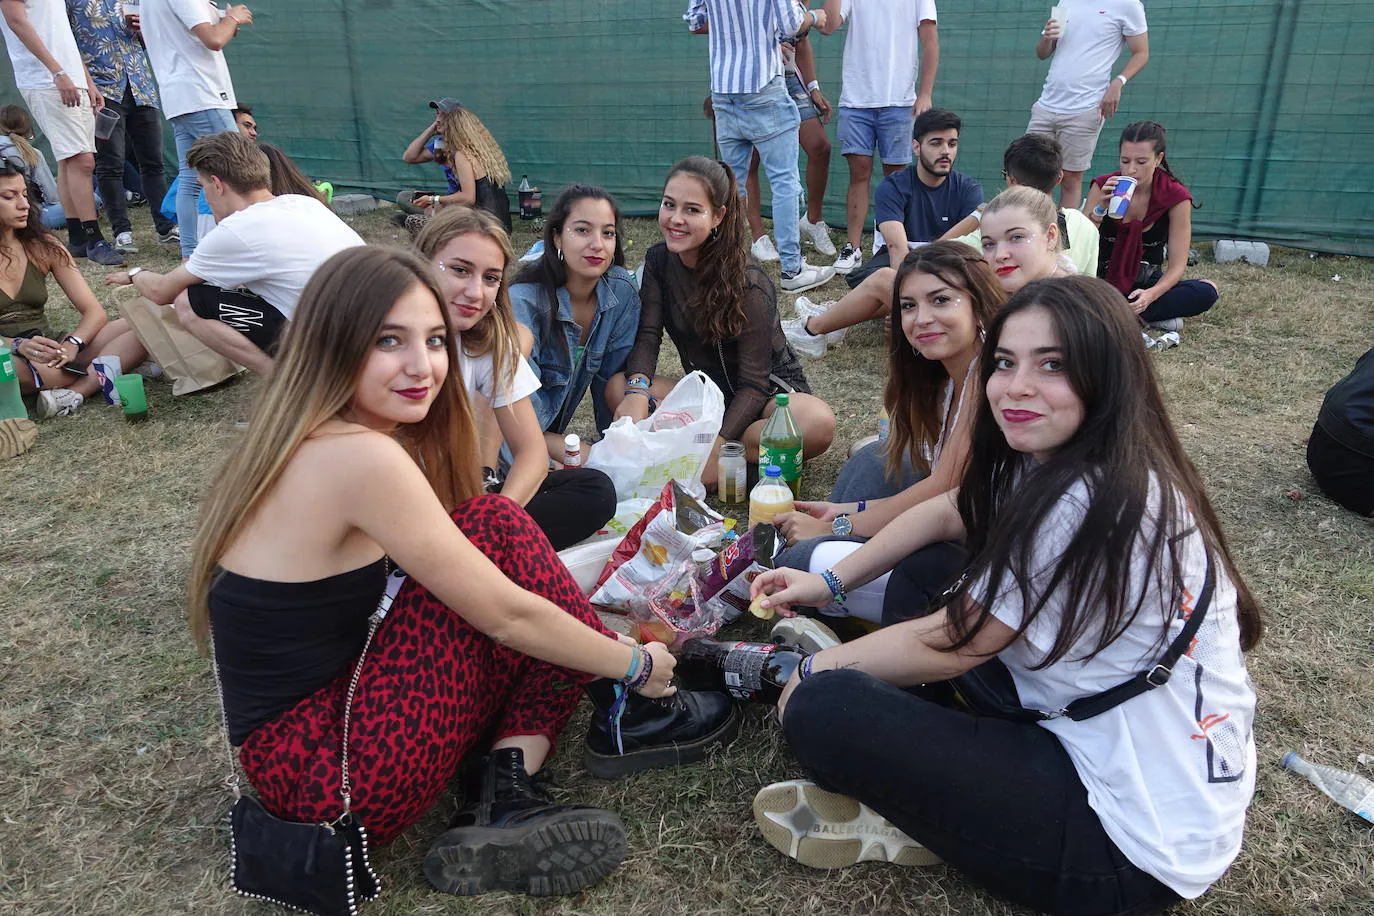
column 645, row 670
column 836, row 586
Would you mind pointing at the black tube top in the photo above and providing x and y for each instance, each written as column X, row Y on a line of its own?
column 278, row 642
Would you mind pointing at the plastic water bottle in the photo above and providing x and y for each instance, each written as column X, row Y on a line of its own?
column 11, row 403
column 769, row 498
column 1349, row 790
column 780, row 443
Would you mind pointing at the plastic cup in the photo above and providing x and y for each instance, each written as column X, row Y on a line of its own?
column 1061, row 16
column 1121, row 197
column 105, row 121
column 130, row 389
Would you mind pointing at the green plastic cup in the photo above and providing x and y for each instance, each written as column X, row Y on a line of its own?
column 131, row 397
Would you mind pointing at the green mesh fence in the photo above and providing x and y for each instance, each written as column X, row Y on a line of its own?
column 1269, row 103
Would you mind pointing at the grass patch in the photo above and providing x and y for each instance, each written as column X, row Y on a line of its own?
column 110, row 765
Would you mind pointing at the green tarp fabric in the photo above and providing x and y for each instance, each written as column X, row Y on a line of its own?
column 1269, row 103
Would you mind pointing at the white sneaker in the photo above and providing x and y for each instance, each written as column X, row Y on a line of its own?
column 849, row 259
column 828, row 830
column 124, row 242
column 809, row 277
column 763, row 249
column 805, row 633
column 1167, row 340
column 808, row 309
column 819, row 235
column 802, row 340
column 1168, row 324
column 57, row 402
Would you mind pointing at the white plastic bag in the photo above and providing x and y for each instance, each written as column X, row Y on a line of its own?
column 673, row 443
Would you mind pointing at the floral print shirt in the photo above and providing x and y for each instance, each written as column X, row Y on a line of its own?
column 113, row 53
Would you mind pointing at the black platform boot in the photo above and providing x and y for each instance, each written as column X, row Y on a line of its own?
column 512, row 838
column 656, row 733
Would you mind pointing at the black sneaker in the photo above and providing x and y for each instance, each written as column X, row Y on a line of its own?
column 656, row 733
column 512, row 838
column 101, row 253
column 76, row 251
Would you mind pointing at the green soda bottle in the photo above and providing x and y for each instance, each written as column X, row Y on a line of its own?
column 11, row 404
column 781, row 444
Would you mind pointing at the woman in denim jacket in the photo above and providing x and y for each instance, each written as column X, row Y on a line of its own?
column 578, row 310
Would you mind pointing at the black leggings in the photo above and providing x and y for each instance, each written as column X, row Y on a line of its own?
column 1186, row 299
column 998, row 800
column 572, row 504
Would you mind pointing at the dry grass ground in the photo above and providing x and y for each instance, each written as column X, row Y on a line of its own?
column 110, row 761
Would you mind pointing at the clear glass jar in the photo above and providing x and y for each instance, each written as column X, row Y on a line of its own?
column 731, row 471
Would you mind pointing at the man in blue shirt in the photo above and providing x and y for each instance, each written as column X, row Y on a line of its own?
column 923, row 201
column 113, row 52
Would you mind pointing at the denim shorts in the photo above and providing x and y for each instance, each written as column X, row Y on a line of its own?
column 888, row 130
column 801, row 97
column 755, row 116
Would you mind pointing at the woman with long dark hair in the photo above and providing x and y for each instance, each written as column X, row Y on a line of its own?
column 721, row 312
column 287, row 178
column 1145, row 254
column 944, row 295
column 362, row 453
column 49, row 362
column 577, row 309
column 1096, row 561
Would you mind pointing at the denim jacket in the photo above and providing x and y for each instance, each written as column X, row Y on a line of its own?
column 609, row 342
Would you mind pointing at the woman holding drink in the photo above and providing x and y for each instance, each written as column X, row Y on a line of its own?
column 1144, row 215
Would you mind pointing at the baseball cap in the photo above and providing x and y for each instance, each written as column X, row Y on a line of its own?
column 446, row 105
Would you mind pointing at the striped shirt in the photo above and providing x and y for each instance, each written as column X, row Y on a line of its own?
column 744, row 39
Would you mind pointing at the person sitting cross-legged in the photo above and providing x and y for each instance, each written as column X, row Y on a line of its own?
column 239, row 289
column 47, row 361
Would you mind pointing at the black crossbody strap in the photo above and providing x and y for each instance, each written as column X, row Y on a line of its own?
column 1158, row 676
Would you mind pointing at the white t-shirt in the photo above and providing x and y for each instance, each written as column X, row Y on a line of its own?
column 478, row 379
column 881, row 53
column 272, row 248
column 190, row 77
column 49, row 19
column 1170, row 772
column 1094, row 33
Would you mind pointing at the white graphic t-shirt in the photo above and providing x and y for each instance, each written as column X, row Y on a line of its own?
column 1170, row 772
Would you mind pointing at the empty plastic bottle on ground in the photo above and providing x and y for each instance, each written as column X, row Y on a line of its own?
column 1349, row 790
column 746, row 670
column 781, row 444
column 11, row 403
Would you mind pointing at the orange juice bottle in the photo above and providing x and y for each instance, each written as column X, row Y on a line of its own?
column 770, row 497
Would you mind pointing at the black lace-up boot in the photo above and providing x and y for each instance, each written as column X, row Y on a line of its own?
column 513, row 838
column 655, row 733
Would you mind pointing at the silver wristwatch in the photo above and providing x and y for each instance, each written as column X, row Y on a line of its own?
column 841, row 526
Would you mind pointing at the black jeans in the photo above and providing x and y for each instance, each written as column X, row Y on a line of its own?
column 139, row 126
column 998, row 800
column 1184, row 300
column 572, row 504
column 920, row 578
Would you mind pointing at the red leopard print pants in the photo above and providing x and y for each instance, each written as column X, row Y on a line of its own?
column 432, row 686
